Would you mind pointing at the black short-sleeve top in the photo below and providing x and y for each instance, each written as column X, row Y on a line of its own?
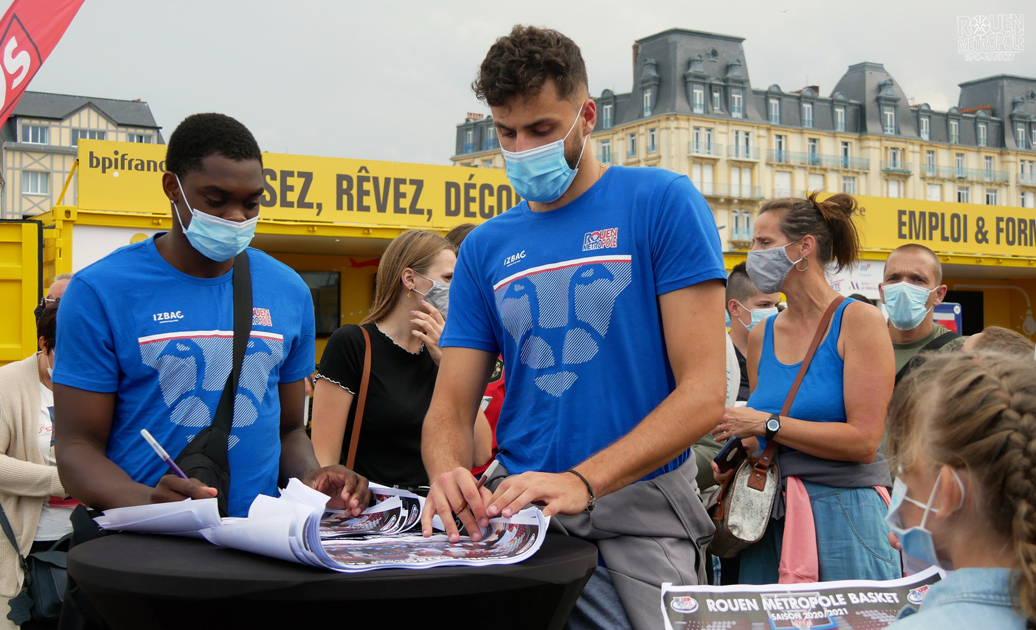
column 400, row 390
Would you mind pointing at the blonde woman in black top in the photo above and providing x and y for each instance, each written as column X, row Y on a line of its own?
column 404, row 324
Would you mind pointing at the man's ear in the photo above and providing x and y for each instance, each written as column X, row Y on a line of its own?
column 169, row 187
column 940, row 294
column 589, row 116
column 732, row 307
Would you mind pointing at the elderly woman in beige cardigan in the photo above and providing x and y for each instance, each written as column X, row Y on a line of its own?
column 26, row 480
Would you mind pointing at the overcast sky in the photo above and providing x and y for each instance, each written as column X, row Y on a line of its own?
column 390, row 79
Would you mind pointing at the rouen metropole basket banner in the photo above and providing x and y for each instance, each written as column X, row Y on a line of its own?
column 846, row 605
column 31, row 29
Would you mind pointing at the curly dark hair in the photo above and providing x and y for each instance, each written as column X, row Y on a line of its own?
column 202, row 135
column 518, row 64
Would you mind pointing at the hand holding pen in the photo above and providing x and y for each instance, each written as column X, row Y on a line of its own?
column 175, row 487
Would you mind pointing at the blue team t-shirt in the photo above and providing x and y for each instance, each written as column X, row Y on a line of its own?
column 162, row 341
column 569, row 298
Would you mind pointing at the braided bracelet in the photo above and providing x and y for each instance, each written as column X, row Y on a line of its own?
column 593, row 500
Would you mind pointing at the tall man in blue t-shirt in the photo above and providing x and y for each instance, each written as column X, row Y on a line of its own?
column 604, row 293
column 148, row 343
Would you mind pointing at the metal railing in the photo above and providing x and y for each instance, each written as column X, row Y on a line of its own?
column 730, row 191
column 797, row 158
column 931, row 171
column 896, row 166
column 1027, row 179
column 489, row 144
column 741, row 152
column 704, row 148
column 469, row 147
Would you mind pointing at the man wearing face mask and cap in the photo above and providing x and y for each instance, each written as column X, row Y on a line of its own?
column 149, row 343
column 911, row 289
column 603, row 291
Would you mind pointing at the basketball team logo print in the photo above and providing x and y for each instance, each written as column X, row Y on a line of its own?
column 192, row 369
column 558, row 315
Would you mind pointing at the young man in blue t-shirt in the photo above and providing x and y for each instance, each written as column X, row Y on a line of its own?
column 603, row 290
column 148, row 344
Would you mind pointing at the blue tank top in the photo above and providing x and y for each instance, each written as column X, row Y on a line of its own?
column 821, row 397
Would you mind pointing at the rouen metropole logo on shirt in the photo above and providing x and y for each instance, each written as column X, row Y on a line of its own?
column 261, row 317
column 601, row 239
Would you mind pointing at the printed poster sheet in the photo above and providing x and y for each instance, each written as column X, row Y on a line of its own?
column 845, row 605
column 296, row 527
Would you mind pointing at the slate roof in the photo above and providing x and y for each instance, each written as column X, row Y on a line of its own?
column 60, row 106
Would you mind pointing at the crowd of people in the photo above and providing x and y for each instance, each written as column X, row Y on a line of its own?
column 904, row 439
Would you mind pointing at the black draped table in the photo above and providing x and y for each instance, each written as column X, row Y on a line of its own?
column 140, row 581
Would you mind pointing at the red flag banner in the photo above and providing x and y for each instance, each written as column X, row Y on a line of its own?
column 31, row 29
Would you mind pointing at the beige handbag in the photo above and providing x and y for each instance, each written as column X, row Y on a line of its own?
column 741, row 509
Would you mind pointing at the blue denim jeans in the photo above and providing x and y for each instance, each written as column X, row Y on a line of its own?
column 852, row 539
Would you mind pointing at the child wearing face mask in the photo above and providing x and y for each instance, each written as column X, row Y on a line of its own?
column 962, row 436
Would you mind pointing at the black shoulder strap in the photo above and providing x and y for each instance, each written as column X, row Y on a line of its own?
column 931, row 346
column 224, row 417
column 6, row 526
column 940, row 341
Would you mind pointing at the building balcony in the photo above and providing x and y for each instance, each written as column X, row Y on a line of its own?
column 730, row 191
column 739, row 152
column 490, row 144
column 704, row 149
column 468, row 147
column 1027, row 179
column 959, row 173
column 818, row 160
column 896, row 166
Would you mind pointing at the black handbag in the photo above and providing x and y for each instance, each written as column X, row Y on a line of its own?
column 205, row 457
column 46, row 577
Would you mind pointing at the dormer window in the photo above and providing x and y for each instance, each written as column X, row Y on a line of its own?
column 888, row 116
column 736, row 105
column 647, row 102
column 775, row 111
column 839, row 118
column 926, row 128
column 606, row 115
column 954, row 131
column 698, row 99
column 807, row 115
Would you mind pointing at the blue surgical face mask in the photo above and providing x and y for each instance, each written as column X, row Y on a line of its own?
column 917, row 541
column 758, row 315
column 906, row 304
column 768, row 268
column 542, row 173
column 215, row 238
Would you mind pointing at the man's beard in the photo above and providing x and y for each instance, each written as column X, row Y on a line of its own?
column 572, row 157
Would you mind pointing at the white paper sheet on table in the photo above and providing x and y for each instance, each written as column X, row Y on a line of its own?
column 180, row 518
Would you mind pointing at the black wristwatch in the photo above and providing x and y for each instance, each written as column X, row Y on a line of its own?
column 773, row 425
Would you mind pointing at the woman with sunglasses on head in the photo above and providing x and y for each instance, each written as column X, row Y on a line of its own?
column 411, row 299
column 962, row 438
column 828, row 520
